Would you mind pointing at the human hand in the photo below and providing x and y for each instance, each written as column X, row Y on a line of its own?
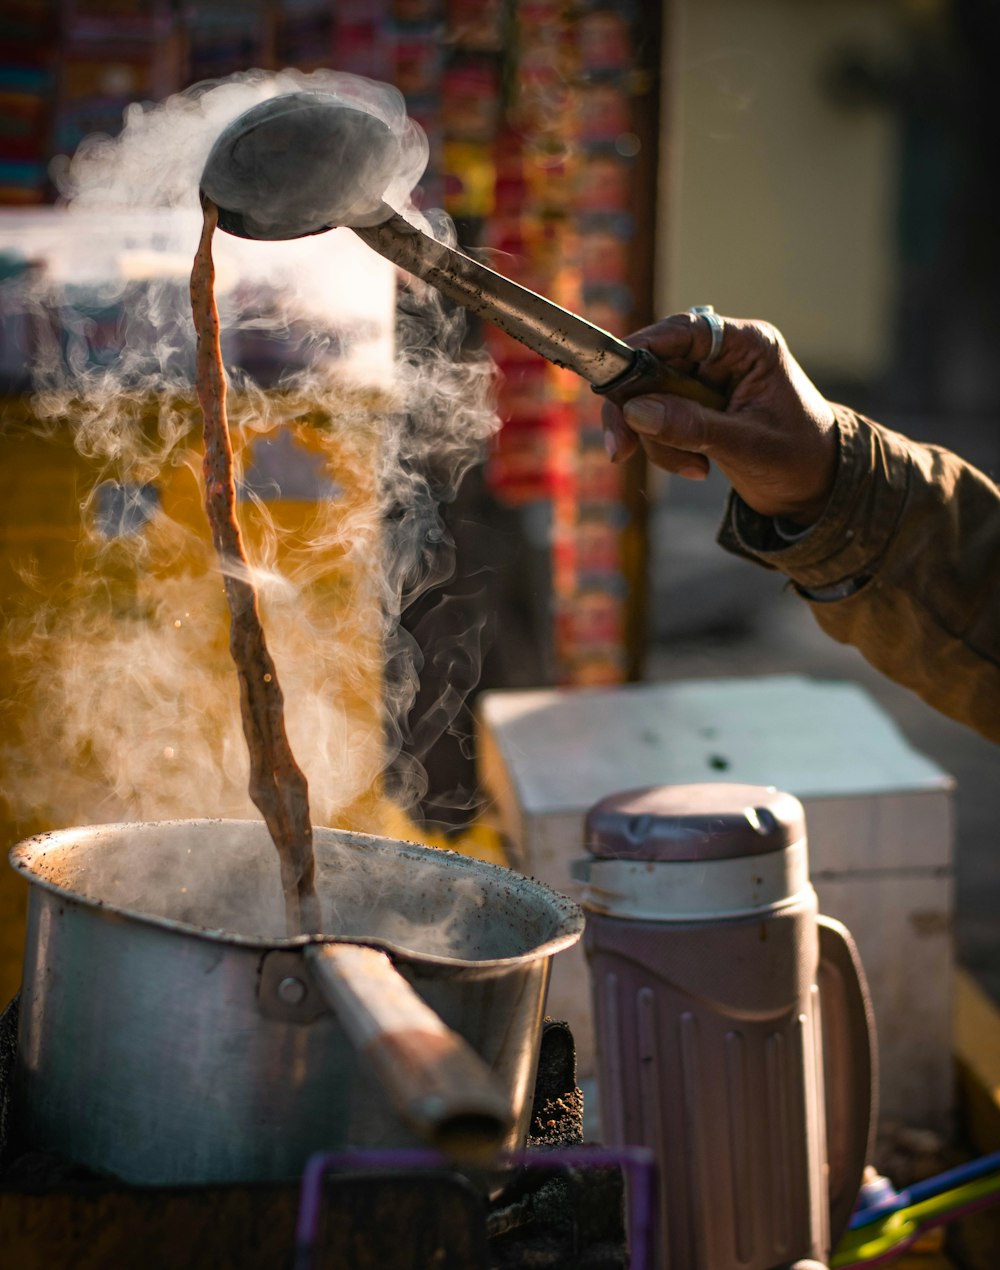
column 775, row 440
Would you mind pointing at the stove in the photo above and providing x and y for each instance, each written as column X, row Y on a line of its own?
column 560, row 1202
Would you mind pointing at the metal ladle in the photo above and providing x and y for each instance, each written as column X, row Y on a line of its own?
column 303, row 163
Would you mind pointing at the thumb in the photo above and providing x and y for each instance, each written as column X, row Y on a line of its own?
column 665, row 431
column 619, row 440
column 678, row 422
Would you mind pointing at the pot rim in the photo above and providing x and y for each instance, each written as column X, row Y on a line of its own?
column 570, row 915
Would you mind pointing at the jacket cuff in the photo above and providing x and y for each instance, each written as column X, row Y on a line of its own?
column 857, row 524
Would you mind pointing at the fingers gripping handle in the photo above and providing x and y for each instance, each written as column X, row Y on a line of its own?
column 648, row 374
column 850, row 1061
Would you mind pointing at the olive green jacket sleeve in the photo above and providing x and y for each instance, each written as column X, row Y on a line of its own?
column 904, row 564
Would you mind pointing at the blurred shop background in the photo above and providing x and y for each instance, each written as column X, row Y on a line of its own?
column 824, row 164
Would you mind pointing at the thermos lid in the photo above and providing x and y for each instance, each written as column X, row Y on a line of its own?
column 693, row 822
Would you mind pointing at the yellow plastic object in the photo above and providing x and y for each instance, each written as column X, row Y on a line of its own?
column 899, row 1230
column 478, row 840
column 118, row 699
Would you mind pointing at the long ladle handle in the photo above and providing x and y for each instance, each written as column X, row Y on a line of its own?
column 609, row 365
column 438, row 1085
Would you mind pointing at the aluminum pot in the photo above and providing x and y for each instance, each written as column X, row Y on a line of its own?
column 171, row 1033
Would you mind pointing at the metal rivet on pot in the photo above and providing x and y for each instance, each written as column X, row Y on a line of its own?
column 291, row 990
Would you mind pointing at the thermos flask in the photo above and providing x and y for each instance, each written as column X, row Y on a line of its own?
column 735, row 1035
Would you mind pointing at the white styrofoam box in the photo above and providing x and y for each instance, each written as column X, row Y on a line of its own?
column 879, row 820
column 902, row 927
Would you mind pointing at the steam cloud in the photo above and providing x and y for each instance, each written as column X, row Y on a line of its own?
column 302, row 162
column 126, row 700
column 158, row 159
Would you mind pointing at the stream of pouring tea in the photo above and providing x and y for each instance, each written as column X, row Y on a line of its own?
column 278, row 786
column 356, row 407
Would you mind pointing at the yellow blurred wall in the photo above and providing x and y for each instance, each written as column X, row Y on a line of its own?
column 141, row 726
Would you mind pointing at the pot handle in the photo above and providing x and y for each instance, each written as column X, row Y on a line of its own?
column 850, row 1065
column 437, row 1083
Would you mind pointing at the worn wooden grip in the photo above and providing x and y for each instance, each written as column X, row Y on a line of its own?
column 438, row 1085
column 648, row 374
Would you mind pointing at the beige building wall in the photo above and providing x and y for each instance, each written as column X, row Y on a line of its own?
column 775, row 201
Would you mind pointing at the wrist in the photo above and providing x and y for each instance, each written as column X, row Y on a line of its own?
column 792, row 517
column 803, row 516
column 802, row 511
column 787, row 530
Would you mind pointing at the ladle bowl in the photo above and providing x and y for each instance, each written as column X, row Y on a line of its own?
column 302, row 163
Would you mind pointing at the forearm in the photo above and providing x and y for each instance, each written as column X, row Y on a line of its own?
column 908, row 555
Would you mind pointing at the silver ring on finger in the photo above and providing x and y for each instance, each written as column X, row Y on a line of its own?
column 715, row 324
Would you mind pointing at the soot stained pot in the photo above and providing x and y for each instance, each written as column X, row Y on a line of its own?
column 171, row 1033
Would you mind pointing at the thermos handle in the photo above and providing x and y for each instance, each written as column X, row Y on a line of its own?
column 850, row 1062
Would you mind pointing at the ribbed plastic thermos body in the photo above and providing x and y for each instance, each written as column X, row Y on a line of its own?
column 703, row 948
